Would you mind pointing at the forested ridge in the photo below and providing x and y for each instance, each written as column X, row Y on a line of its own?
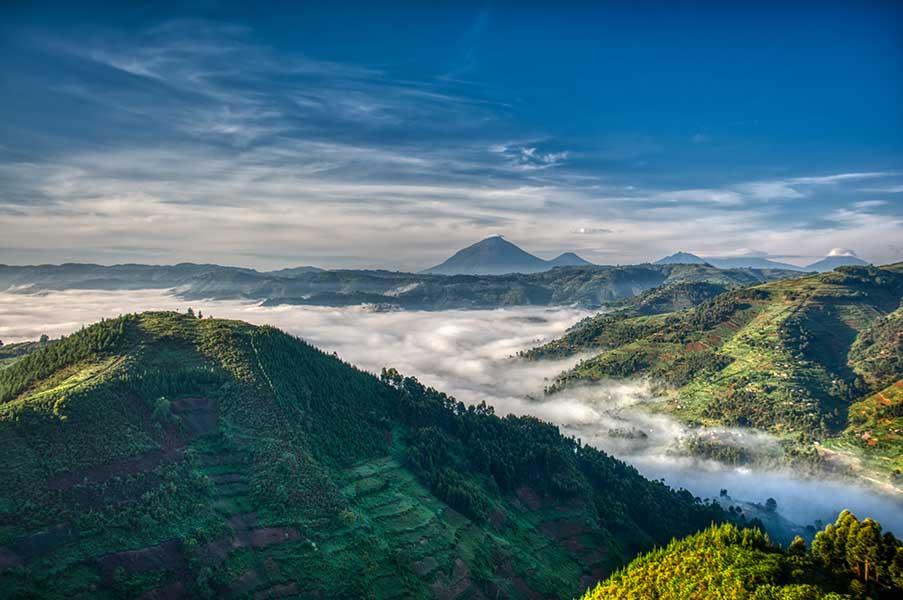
column 170, row 454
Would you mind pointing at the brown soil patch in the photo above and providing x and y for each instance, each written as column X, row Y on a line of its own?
column 267, row 536
column 455, row 585
column 497, row 518
column 247, row 534
column 424, row 566
column 523, row 590
column 243, row 521
column 172, row 591
column 8, row 559
column 245, row 583
column 563, row 529
column 529, row 497
column 129, row 466
column 166, row 556
column 282, row 590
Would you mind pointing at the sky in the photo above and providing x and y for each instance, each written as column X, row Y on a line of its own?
column 392, row 134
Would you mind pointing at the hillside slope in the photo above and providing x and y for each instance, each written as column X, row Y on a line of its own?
column 851, row 559
column 788, row 356
column 172, row 456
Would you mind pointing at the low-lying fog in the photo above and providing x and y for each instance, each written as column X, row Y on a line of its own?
column 468, row 354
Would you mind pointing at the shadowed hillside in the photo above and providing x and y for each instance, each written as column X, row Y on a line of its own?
column 173, row 456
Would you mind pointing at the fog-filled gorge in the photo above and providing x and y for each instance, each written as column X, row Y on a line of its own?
column 470, row 355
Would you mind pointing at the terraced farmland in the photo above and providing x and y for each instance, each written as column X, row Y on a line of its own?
column 163, row 456
column 793, row 357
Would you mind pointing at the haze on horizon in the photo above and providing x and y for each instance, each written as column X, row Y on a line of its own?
column 390, row 137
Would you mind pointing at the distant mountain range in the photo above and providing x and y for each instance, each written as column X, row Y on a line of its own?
column 590, row 286
column 829, row 263
column 497, row 256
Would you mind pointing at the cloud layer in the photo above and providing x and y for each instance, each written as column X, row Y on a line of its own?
column 469, row 354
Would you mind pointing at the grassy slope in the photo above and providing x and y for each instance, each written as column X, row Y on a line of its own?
column 790, row 356
column 209, row 457
column 874, row 437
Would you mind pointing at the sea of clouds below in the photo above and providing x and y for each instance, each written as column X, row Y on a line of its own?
column 471, row 355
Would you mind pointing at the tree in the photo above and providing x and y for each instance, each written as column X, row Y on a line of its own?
column 771, row 505
column 797, row 547
column 868, row 545
column 190, row 312
column 44, row 338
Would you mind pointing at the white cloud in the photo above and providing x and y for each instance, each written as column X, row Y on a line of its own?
column 841, row 252
column 866, row 204
column 769, row 190
column 840, row 177
column 702, row 196
column 592, row 230
column 892, row 189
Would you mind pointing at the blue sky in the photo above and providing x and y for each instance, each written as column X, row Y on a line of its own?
column 390, row 135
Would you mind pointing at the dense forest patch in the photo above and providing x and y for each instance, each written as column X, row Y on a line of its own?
column 850, row 559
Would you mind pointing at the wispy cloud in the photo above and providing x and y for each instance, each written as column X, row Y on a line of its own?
column 222, row 150
column 592, row 230
column 799, row 187
column 891, row 189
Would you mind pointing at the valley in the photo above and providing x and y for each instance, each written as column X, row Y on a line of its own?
column 451, row 301
column 472, row 356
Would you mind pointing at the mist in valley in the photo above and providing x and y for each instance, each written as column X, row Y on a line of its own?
column 472, row 356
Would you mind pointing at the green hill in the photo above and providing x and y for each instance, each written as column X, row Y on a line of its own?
column 168, row 455
column 851, row 559
column 790, row 356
